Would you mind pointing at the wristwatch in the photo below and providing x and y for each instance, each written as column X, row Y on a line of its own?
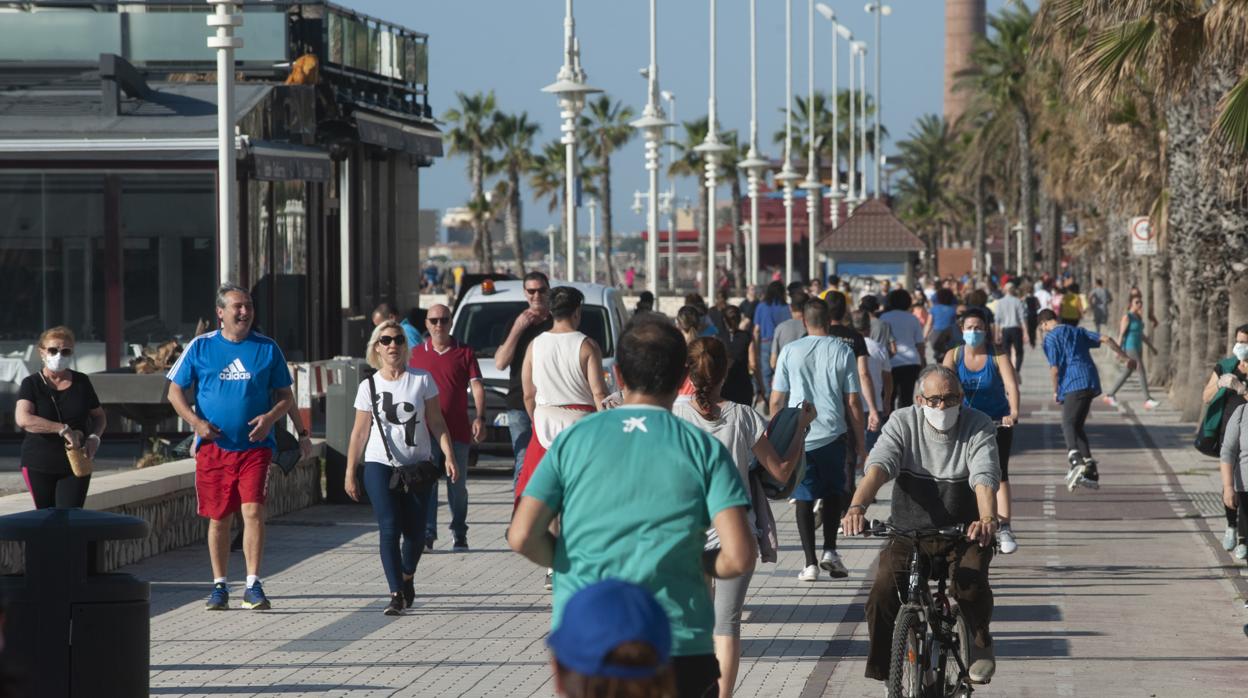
column 303, row 433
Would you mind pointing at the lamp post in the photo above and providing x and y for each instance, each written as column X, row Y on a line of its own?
column 224, row 20
column 862, row 87
column 851, row 173
column 592, row 205
column 879, row 10
column 838, row 31
column 753, row 164
column 787, row 177
column 671, row 192
column 711, row 150
column 812, row 185
column 570, row 88
column 551, row 231
column 652, row 124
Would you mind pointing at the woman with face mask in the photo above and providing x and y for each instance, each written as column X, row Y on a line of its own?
column 989, row 385
column 1131, row 335
column 1226, row 390
column 62, row 417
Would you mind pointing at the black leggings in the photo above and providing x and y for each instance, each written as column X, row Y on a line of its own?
column 1238, row 518
column 1075, row 408
column 52, row 490
column 904, row 378
column 830, row 510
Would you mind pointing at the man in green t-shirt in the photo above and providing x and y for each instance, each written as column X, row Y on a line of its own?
column 635, row 489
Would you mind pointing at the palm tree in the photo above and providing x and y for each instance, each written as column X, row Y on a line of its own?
column 692, row 164
column 606, row 129
column 546, row 178
column 925, row 196
column 515, row 139
column 473, row 134
column 1002, row 69
column 729, row 171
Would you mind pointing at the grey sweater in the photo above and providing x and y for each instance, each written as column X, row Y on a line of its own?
column 936, row 473
column 1235, row 447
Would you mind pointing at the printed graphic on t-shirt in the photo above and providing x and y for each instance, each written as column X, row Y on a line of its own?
column 236, row 371
column 632, row 424
column 399, row 414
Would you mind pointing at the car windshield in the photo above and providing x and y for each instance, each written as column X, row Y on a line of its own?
column 484, row 326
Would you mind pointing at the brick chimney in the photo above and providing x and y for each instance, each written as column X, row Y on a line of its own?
column 964, row 23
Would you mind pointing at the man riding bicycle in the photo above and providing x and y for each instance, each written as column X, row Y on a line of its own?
column 943, row 457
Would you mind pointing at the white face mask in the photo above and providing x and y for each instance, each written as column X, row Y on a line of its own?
column 1240, row 351
column 941, row 420
column 60, row 362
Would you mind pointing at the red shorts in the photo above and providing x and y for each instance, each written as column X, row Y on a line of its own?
column 225, row 480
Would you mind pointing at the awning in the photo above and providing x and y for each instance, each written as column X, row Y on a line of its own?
column 401, row 134
column 276, row 162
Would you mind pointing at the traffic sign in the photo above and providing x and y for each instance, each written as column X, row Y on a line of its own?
column 1143, row 237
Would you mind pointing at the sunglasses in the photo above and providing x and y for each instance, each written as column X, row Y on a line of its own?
column 387, row 339
column 942, row 400
column 67, row 351
column 438, row 320
column 536, row 291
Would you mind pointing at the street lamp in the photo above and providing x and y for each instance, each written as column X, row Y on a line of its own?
column 224, row 21
column 570, row 88
column 879, row 10
column 551, row 230
column 861, row 47
column 592, row 205
column 753, row 164
column 812, row 185
column 851, row 198
column 787, row 177
column 838, row 31
column 671, row 192
column 711, row 150
column 652, row 124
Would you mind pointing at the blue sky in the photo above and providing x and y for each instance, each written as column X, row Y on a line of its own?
column 514, row 47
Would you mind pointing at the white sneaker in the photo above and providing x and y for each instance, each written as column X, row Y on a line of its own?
column 1150, row 404
column 1006, row 541
column 1228, row 538
column 1110, row 400
column 810, row 574
column 1240, row 552
column 832, row 564
column 549, row 583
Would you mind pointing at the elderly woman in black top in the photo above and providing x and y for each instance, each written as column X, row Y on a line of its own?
column 58, row 410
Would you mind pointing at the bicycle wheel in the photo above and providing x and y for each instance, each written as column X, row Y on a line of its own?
column 962, row 637
column 905, row 664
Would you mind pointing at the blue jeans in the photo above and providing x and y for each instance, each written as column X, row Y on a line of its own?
column 521, row 429
column 764, row 365
column 456, row 495
column 399, row 515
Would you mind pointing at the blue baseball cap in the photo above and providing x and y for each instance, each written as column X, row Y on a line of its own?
column 603, row 616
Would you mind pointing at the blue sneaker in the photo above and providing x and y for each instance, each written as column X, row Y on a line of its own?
column 219, row 599
column 255, row 599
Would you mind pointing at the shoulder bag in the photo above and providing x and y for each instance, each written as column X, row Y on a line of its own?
column 409, row 478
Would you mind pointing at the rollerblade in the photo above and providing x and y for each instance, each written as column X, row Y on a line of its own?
column 1082, row 473
column 1091, row 478
column 1076, row 470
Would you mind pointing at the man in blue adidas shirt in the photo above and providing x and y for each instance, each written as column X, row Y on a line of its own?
column 242, row 388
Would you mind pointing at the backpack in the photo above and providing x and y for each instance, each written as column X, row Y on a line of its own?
column 1212, row 421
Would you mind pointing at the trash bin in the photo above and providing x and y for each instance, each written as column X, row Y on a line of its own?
column 339, row 419
column 71, row 629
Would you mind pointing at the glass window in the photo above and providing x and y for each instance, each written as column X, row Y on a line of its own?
column 484, row 326
column 277, row 263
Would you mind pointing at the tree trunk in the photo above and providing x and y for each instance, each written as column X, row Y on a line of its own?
column 480, row 223
column 1026, row 215
column 606, row 220
column 1196, row 366
column 738, row 235
column 979, row 266
column 1215, row 347
column 1160, row 309
column 514, row 218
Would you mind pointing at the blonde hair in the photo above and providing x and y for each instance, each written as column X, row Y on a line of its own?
column 370, row 353
column 59, row 332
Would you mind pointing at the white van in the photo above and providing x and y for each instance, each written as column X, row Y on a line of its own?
column 483, row 320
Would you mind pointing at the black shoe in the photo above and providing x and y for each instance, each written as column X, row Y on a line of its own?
column 395, row 607
column 409, row 592
column 429, row 540
column 461, row 544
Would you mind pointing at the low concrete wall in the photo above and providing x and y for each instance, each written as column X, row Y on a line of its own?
column 164, row 497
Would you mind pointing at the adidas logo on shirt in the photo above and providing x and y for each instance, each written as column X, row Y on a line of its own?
column 236, row 371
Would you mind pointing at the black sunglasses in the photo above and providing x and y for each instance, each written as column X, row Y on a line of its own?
column 536, row 291
column 438, row 320
column 67, row 351
column 387, row 339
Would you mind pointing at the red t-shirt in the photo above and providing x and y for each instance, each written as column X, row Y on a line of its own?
column 452, row 370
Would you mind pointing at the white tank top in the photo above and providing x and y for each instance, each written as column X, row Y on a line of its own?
column 557, row 371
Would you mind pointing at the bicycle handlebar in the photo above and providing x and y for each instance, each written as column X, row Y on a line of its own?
column 884, row 528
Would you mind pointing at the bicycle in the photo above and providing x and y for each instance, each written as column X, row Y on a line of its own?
column 931, row 642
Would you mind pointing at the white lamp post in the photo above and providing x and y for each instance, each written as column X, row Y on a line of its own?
column 551, row 231
column 224, row 21
column 753, row 164
column 879, row 10
column 851, row 198
column 671, row 192
column 652, row 124
column 592, row 205
column 711, row 150
column 570, row 88
column 787, row 177
column 861, row 46
column 838, row 31
column 812, row 185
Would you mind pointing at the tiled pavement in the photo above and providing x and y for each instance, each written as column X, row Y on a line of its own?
column 1121, row 592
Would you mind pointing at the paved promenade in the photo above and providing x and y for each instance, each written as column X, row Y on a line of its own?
column 1121, row 592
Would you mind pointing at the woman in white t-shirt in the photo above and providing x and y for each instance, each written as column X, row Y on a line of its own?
column 406, row 401
column 911, row 356
column 744, row 433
